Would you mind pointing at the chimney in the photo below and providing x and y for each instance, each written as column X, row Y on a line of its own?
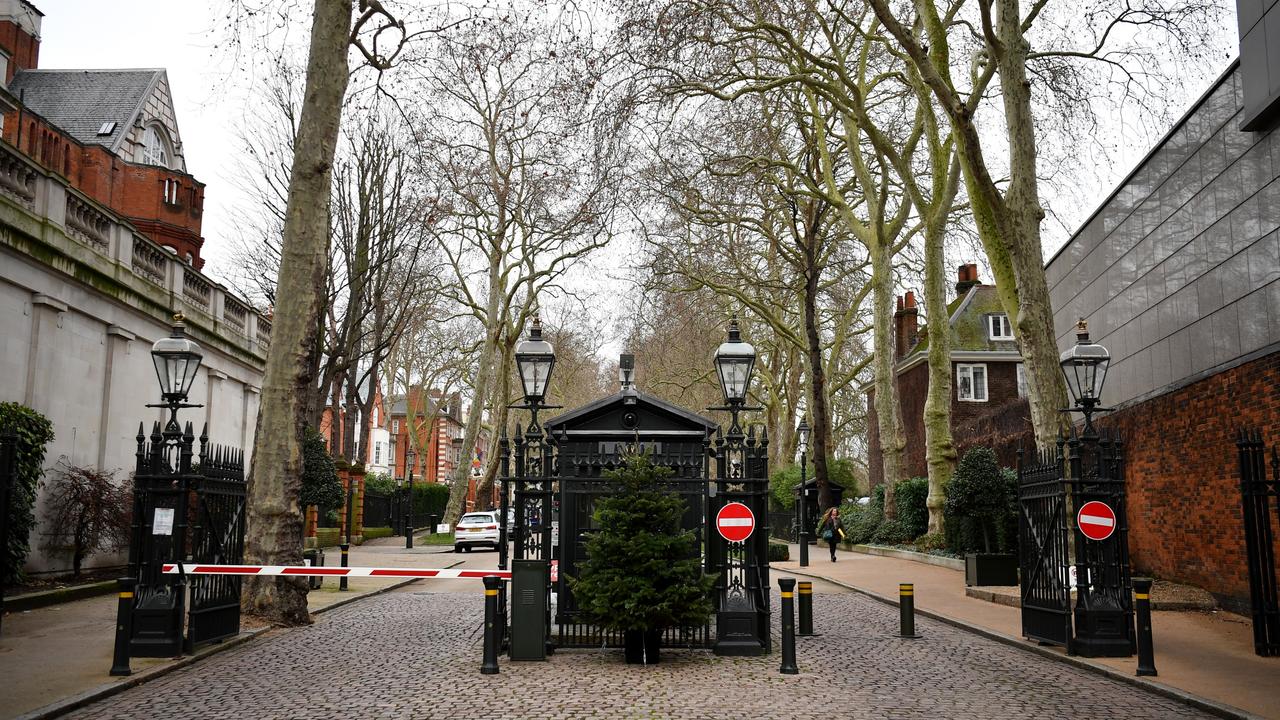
column 966, row 278
column 905, row 325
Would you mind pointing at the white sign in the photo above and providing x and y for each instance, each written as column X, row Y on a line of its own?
column 162, row 524
column 442, row 529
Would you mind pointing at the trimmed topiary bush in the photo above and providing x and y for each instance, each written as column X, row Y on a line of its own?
column 34, row 433
column 982, row 505
column 779, row 552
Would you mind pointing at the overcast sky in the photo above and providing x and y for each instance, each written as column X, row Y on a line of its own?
column 209, row 94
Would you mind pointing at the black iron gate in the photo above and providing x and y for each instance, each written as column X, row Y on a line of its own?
column 217, row 539
column 1042, row 544
column 1260, row 496
column 170, row 495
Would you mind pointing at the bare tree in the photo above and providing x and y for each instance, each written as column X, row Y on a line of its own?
column 521, row 145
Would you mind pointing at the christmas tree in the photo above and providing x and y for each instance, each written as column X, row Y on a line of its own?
column 643, row 572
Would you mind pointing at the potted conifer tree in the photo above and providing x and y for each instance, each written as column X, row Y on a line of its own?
column 642, row 573
column 985, row 495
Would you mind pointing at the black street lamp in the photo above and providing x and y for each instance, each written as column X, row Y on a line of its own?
column 802, row 444
column 1085, row 367
column 410, row 458
column 176, row 358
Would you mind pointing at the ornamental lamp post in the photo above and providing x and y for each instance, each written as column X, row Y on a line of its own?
column 1085, row 367
column 803, row 445
column 176, row 358
column 410, row 459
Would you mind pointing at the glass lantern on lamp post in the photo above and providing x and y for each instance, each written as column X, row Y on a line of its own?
column 1085, row 367
column 176, row 359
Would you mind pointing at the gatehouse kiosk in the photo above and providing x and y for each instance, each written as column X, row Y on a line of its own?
column 553, row 477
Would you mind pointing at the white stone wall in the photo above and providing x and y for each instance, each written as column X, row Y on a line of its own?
column 84, row 361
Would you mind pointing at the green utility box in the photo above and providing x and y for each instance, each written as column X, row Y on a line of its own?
column 529, row 580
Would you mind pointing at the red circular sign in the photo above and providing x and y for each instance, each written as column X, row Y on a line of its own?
column 1096, row 520
column 735, row 522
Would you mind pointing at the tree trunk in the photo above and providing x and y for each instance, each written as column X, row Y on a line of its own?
column 274, row 513
column 891, row 438
column 821, row 431
column 475, row 415
column 940, row 451
column 1034, row 315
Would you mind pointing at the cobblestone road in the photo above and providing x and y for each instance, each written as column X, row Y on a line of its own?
column 417, row 655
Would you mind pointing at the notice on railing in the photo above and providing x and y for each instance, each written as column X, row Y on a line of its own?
column 162, row 524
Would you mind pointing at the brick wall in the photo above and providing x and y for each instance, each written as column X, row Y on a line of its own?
column 1183, row 479
column 24, row 50
column 913, row 387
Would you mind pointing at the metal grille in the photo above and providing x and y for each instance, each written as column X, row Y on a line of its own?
column 1042, row 543
column 217, row 538
column 1260, row 498
column 377, row 509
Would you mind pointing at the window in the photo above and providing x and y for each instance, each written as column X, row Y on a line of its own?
column 375, row 416
column 395, row 427
column 1000, row 328
column 377, row 453
column 1022, row 380
column 971, row 383
column 106, row 128
column 155, row 146
column 171, row 191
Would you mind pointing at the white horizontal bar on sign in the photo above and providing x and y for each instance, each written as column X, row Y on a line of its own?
column 735, row 522
column 1097, row 520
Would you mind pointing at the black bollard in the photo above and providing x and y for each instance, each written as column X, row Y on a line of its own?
column 907, row 610
column 124, row 628
column 408, row 537
column 1146, row 653
column 787, row 585
column 490, row 664
column 806, row 609
column 342, row 581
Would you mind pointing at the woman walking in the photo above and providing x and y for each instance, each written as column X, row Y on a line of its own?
column 829, row 529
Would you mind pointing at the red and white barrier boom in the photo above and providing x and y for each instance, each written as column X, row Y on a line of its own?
column 307, row 571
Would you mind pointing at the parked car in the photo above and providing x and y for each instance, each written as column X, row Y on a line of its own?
column 476, row 528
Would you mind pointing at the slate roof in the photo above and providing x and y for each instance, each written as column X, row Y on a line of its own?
column 968, row 316
column 80, row 101
column 619, row 398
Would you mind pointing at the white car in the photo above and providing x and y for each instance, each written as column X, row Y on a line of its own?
column 476, row 528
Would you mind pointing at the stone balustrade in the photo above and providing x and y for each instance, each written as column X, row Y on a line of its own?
column 90, row 235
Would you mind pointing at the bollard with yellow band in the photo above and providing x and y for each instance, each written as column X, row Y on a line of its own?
column 490, row 664
column 804, row 603
column 1142, row 609
column 124, row 628
column 907, row 610
column 787, row 585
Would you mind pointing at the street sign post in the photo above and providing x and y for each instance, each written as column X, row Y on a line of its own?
column 735, row 522
column 1097, row 521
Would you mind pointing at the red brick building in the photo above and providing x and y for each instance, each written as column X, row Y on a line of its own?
column 442, row 439
column 986, row 371
column 112, row 134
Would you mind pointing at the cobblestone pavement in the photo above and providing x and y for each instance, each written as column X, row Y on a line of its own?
column 417, row 655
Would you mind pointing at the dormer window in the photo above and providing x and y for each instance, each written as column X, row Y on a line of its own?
column 156, row 149
column 999, row 327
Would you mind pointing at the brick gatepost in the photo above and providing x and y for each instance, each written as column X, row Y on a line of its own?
column 357, row 475
column 311, row 520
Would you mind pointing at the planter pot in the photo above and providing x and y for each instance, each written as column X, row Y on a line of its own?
column 990, row 569
column 641, row 646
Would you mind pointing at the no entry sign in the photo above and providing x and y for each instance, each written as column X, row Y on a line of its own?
column 735, row 522
column 1096, row 520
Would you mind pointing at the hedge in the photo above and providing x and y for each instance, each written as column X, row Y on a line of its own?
column 327, row 537
column 779, row 552
column 34, row 433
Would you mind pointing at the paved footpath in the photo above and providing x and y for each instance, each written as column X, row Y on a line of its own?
column 416, row 653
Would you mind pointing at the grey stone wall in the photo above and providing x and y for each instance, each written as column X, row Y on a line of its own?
column 1178, row 272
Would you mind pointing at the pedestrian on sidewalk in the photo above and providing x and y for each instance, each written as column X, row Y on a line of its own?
column 829, row 529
